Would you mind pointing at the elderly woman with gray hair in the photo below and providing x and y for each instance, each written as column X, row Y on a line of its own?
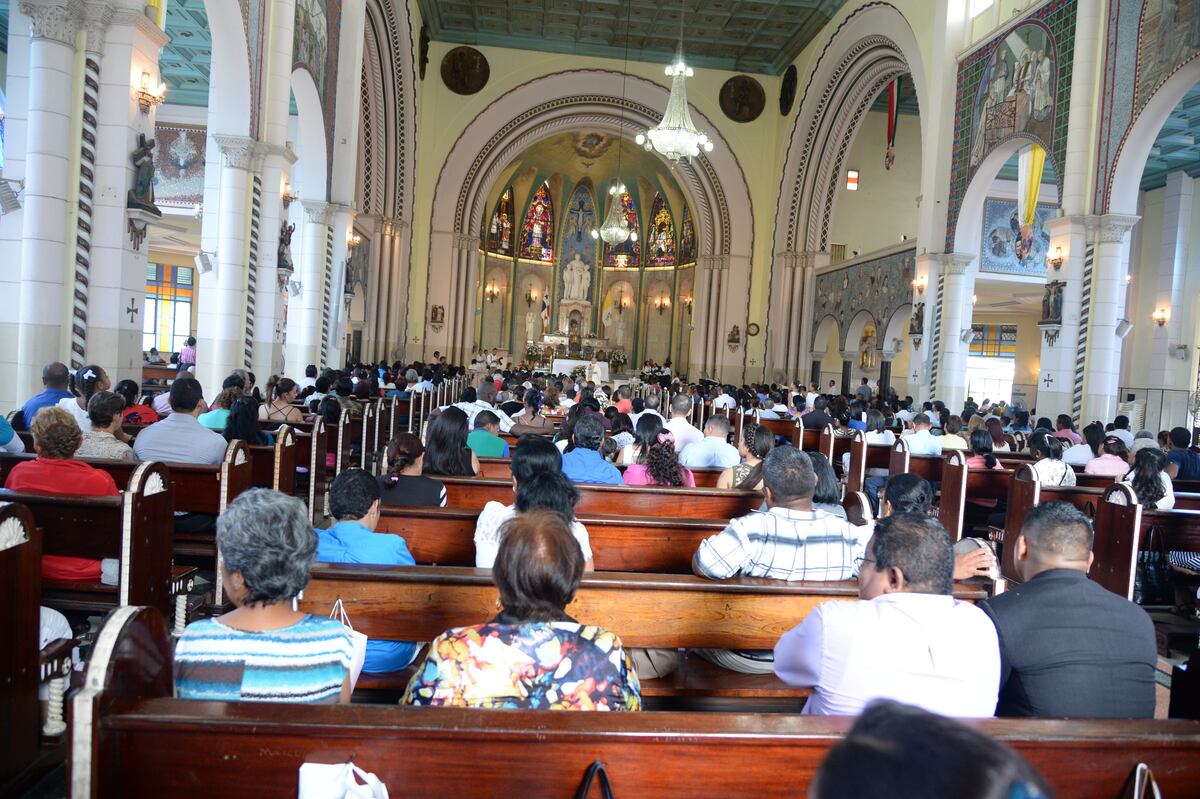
column 265, row 650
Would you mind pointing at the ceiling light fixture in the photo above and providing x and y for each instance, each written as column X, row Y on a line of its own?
column 615, row 228
column 676, row 137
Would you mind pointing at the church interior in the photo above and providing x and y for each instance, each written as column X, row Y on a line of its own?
column 792, row 216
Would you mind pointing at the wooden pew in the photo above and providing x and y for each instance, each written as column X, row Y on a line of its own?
column 701, row 503
column 131, row 738
column 310, row 456
column 833, row 446
column 960, row 483
column 446, row 537
column 902, row 461
column 275, row 466
column 501, row 469
column 130, row 528
column 865, row 456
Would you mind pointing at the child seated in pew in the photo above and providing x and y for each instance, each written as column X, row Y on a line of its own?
column 264, row 650
column 483, row 440
column 56, row 437
column 354, row 504
column 404, row 484
column 531, row 655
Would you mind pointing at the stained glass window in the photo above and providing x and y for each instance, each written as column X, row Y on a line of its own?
column 687, row 238
column 167, row 320
column 994, row 341
column 660, row 245
column 629, row 252
column 537, row 242
column 500, row 232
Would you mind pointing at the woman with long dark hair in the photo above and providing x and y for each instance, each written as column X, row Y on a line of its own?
column 1049, row 466
column 404, row 484
column 981, row 456
column 995, row 429
column 1113, row 459
column 242, row 423
column 281, row 393
column 658, row 462
column 1150, row 481
column 531, row 421
column 1084, row 453
column 446, row 449
column 827, row 496
column 756, row 442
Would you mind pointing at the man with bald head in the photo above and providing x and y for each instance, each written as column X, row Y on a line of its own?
column 1069, row 648
column 55, row 378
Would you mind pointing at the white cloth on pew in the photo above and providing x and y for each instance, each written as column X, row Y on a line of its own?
column 928, row 650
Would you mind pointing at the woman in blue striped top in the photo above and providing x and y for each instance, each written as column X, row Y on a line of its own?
column 263, row 650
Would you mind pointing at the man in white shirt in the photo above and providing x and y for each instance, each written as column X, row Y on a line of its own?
column 649, row 408
column 724, row 400
column 714, row 449
column 485, row 401
column 906, row 639
column 685, row 432
column 1121, row 430
column 921, row 441
column 905, row 414
column 310, row 377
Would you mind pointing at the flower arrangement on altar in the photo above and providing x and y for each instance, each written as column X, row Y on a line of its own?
column 579, row 373
column 533, row 354
column 617, row 360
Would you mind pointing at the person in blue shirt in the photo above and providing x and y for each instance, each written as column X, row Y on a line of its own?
column 582, row 462
column 354, row 504
column 9, row 440
column 55, row 378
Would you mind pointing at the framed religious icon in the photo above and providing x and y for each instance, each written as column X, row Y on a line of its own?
column 742, row 98
column 465, row 70
column 787, row 90
column 437, row 315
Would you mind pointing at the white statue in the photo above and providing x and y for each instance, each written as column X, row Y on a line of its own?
column 577, row 278
column 614, row 327
column 532, row 328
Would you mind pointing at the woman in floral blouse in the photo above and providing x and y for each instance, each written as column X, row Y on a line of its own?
column 532, row 655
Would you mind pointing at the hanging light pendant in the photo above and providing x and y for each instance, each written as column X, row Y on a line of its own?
column 676, row 136
column 615, row 229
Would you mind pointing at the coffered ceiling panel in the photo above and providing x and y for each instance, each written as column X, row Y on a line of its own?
column 1178, row 144
column 763, row 36
column 186, row 60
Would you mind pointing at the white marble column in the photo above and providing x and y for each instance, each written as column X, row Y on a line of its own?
column 1062, row 348
column 40, row 303
column 924, row 300
column 222, row 335
column 270, row 304
column 342, row 226
column 956, row 285
column 117, row 290
column 304, row 311
column 1165, row 371
column 1103, row 361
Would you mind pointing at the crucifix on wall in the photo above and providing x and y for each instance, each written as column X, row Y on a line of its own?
column 1048, row 380
column 132, row 310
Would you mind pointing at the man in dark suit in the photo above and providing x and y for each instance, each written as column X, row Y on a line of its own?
column 817, row 417
column 1069, row 648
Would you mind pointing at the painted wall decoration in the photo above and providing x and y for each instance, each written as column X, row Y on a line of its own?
column 500, row 231
column 179, row 165
column 880, row 286
column 660, row 243
column 576, row 242
column 1000, row 227
column 315, row 48
column 687, row 238
column 1016, row 85
column 1147, row 41
column 537, row 235
column 628, row 253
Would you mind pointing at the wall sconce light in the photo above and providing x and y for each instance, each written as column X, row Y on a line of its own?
column 919, row 283
column 294, row 288
column 530, row 297
column 974, row 298
column 1161, row 316
column 1057, row 260
column 353, row 240
column 687, row 303
column 662, row 303
column 491, row 292
column 288, row 195
column 1128, row 279
column 149, row 96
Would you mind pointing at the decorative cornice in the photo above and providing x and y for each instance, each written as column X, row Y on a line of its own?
column 953, row 263
column 337, row 209
column 283, row 152
column 143, row 25
column 713, row 263
column 241, row 152
column 1111, row 228
column 96, row 19
column 318, row 213
column 466, row 242
column 57, row 22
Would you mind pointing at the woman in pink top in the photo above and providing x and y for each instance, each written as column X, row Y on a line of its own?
column 1113, row 459
column 981, row 457
column 658, row 464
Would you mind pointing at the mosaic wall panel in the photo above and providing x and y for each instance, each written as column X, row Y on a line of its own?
column 315, row 48
column 1002, row 95
column 179, row 165
column 1146, row 42
column 880, row 287
column 1000, row 227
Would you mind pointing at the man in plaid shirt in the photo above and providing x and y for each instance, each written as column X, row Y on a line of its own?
column 789, row 541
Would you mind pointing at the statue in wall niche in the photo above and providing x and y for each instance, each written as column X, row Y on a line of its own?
column 1052, row 301
column 532, row 328
column 141, row 196
column 577, row 279
column 284, row 262
column 916, row 325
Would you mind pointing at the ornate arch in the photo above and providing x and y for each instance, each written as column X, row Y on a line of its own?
column 714, row 185
column 871, row 47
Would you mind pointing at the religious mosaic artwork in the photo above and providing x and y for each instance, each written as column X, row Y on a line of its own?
column 687, row 238
column 500, row 231
column 581, row 220
column 577, row 249
column 1001, row 229
column 742, row 98
column 660, row 238
column 628, row 253
column 465, row 70
column 1148, row 42
column 880, row 287
column 311, row 39
column 179, row 166
column 537, row 239
column 591, row 146
column 1018, row 84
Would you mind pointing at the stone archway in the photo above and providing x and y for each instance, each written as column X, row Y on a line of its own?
column 586, row 100
column 856, row 64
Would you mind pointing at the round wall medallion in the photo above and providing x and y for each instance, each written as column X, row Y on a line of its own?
column 787, row 90
column 465, row 70
column 752, row 329
column 742, row 98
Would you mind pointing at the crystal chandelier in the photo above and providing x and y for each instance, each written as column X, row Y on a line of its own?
column 615, row 229
column 676, row 136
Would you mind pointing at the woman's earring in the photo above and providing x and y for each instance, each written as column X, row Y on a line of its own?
column 296, row 599
column 499, row 604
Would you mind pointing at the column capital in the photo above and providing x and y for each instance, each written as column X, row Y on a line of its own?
column 465, row 242
column 240, row 152
column 337, row 209
column 282, row 152
column 143, row 25
column 952, row 263
column 55, row 21
column 1111, row 228
column 713, row 263
column 1061, row 225
column 319, row 213
column 96, row 19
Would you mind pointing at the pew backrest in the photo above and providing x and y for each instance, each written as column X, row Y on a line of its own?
column 20, row 574
column 274, row 466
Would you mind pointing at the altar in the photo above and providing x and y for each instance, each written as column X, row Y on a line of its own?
column 563, row 366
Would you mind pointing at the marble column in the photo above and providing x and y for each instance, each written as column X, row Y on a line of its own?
column 1103, row 361
column 223, row 344
column 342, row 225
column 1062, row 347
column 304, row 310
column 956, row 284
column 40, row 303
column 1165, row 371
column 924, row 301
column 116, row 285
column 270, row 304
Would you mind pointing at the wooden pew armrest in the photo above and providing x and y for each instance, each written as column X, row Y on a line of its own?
column 55, row 658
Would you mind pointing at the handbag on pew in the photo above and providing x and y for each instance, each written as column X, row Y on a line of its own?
column 594, row 771
column 359, row 640
column 339, row 781
column 1141, row 784
column 1152, row 583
